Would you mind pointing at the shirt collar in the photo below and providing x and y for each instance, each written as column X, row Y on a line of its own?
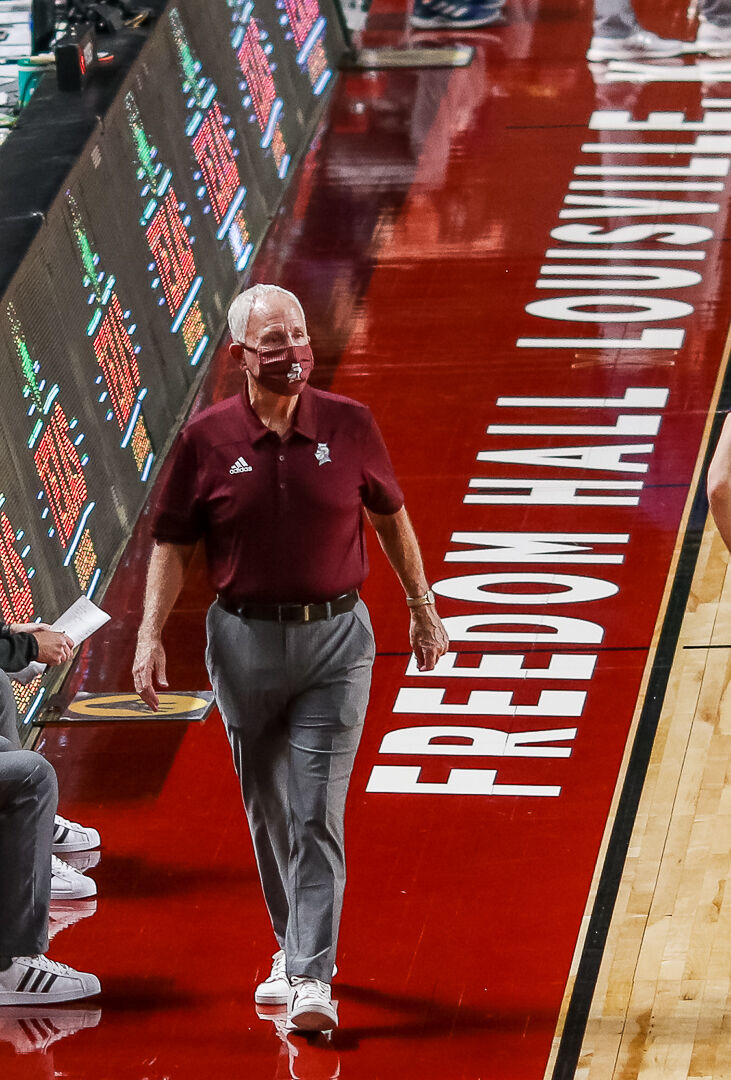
column 304, row 417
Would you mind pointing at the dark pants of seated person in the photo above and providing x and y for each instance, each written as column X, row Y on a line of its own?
column 28, row 797
column 8, row 713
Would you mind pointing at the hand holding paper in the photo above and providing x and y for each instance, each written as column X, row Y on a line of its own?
column 78, row 623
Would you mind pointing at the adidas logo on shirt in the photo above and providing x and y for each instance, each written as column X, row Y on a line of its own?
column 239, row 466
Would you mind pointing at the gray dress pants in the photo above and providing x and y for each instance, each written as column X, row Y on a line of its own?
column 293, row 698
column 28, row 797
column 8, row 713
column 616, row 18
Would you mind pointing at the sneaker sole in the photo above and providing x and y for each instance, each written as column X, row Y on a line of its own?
column 452, row 24
column 313, row 1020
column 262, row 997
column 631, row 54
column 26, row 997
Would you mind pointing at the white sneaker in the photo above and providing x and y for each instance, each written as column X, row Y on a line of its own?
column 642, row 45
column 712, row 39
column 310, row 1006
column 70, row 836
column 35, row 979
column 275, row 989
column 69, row 884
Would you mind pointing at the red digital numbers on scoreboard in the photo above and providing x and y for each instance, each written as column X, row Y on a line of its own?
column 115, row 353
column 216, row 161
column 16, row 598
column 59, row 468
column 170, row 247
column 254, row 65
column 303, row 14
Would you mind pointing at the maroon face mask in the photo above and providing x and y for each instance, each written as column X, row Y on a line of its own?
column 285, row 371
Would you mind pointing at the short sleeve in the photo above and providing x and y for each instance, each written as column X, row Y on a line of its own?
column 179, row 515
column 380, row 491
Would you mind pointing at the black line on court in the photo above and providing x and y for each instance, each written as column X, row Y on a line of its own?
column 707, row 646
column 577, row 1015
column 542, row 127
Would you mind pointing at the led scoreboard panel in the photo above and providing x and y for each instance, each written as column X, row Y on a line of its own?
column 109, row 320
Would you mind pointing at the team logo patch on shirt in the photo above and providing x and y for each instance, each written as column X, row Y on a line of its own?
column 322, row 453
column 239, row 466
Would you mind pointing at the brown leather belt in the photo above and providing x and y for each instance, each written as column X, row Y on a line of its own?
column 292, row 612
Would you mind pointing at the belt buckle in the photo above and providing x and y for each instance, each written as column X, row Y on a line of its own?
column 306, row 612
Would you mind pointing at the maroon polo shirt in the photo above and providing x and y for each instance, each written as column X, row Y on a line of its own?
column 282, row 520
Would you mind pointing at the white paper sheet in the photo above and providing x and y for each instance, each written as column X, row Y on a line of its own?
column 79, row 621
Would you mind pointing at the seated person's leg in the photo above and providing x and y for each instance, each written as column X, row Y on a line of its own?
column 8, row 713
column 28, row 795
column 67, row 835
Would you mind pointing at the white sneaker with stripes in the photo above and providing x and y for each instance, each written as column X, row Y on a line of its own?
column 452, row 14
column 310, row 1006
column 31, row 980
column 69, row 884
column 70, row 836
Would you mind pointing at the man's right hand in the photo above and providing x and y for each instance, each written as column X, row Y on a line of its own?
column 54, row 647
column 148, row 668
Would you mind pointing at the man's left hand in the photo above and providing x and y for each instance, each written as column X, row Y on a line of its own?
column 27, row 627
column 427, row 636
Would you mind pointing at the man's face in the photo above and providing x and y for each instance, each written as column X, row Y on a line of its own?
column 273, row 324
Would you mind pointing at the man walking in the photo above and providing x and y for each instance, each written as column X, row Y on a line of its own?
column 275, row 481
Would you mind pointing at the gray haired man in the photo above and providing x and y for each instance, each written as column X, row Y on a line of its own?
column 277, row 480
